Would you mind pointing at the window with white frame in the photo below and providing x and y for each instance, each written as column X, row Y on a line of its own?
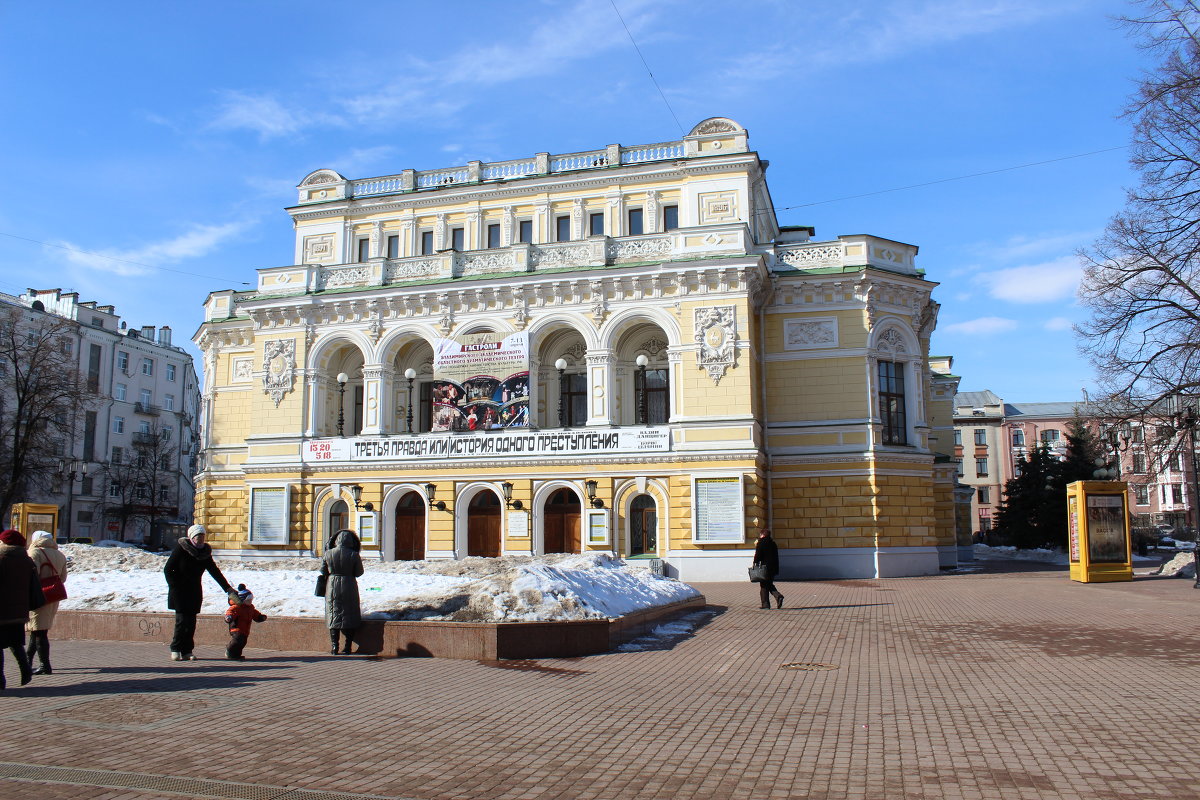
column 119, row 391
column 122, row 361
column 981, row 467
column 118, row 425
column 1018, row 438
column 892, row 402
column 170, row 372
column 980, row 436
column 169, row 402
column 147, row 366
column 145, row 396
column 1141, row 494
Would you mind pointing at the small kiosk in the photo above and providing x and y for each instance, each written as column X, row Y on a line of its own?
column 1098, row 531
column 30, row 517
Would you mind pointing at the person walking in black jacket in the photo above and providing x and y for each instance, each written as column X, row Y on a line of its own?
column 766, row 552
column 190, row 559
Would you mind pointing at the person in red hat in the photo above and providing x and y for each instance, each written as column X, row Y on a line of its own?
column 20, row 592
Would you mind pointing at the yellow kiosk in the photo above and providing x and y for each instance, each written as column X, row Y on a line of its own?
column 1098, row 531
column 30, row 517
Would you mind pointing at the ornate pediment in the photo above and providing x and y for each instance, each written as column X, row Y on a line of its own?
column 279, row 367
column 716, row 332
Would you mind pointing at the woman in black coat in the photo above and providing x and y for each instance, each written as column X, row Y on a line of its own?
column 19, row 590
column 189, row 560
column 342, row 564
column 766, row 552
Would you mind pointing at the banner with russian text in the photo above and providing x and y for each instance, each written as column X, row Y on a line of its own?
column 481, row 382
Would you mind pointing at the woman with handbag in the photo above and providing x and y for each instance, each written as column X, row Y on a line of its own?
column 766, row 555
column 340, row 566
column 188, row 562
column 19, row 594
column 51, row 567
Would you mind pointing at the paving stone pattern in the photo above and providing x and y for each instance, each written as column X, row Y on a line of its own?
column 1001, row 684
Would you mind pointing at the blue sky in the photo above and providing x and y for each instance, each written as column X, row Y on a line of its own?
column 171, row 136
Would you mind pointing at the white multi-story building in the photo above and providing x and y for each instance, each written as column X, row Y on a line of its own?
column 145, row 405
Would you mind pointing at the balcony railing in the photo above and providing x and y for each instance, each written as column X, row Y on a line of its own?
column 147, row 409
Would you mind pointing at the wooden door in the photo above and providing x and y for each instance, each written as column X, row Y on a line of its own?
column 410, row 528
column 561, row 523
column 483, row 525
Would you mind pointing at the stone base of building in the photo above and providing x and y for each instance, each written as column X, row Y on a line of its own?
column 966, row 553
column 947, row 556
column 812, row 564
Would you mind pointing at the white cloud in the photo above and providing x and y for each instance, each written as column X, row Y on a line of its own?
column 199, row 241
column 1057, row 324
column 1046, row 282
column 983, row 326
column 264, row 115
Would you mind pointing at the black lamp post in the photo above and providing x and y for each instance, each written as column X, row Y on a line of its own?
column 67, row 470
column 341, row 382
column 1187, row 416
column 561, row 366
column 410, row 373
column 642, row 361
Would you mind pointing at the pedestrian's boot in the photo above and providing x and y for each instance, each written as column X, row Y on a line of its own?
column 778, row 600
column 333, row 637
column 43, row 653
column 22, row 663
column 349, row 642
column 31, row 648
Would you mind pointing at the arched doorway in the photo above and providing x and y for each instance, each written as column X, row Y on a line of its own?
column 561, row 523
column 643, row 526
column 338, row 519
column 410, row 528
column 483, row 525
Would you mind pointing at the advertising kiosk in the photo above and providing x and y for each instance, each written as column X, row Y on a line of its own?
column 30, row 517
column 1098, row 531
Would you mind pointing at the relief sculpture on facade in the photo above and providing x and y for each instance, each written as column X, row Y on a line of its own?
column 716, row 332
column 279, row 367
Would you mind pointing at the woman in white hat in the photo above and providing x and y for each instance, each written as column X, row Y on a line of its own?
column 50, row 563
column 189, row 560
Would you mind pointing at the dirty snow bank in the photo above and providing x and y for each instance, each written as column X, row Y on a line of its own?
column 506, row 589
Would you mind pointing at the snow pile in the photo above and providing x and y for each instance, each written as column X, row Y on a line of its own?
column 1183, row 565
column 983, row 553
column 507, row 589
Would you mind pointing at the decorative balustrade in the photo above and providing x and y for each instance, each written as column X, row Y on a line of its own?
column 663, row 151
column 433, row 178
column 572, row 161
column 507, row 170
column 386, row 185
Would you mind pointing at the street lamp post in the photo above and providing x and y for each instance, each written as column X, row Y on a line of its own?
column 642, row 361
column 342, row 378
column 1186, row 416
column 561, row 366
column 67, row 470
column 410, row 374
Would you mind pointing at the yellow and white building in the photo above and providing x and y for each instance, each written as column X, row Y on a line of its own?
column 695, row 372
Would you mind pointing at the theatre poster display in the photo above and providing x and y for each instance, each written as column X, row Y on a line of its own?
column 481, row 382
column 1106, row 528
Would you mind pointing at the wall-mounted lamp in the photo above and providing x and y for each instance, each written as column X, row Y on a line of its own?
column 410, row 373
column 508, row 501
column 430, row 489
column 590, row 485
column 342, row 378
column 356, row 493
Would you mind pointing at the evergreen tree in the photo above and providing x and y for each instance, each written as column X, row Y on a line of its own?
column 1033, row 512
column 1083, row 449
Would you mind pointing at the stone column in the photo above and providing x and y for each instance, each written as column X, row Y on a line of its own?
column 601, row 381
column 377, row 387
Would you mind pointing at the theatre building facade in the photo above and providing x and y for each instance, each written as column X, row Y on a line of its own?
column 616, row 351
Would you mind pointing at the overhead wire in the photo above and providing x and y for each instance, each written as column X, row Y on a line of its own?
column 646, row 65
column 774, row 209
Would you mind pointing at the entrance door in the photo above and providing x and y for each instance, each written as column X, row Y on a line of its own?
column 483, row 525
column 561, row 523
column 643, row 526
column 410, row 528
column 339, row 519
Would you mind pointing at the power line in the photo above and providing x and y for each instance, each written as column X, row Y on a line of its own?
column 647, row 66
column 120, row 260
column 944, row 180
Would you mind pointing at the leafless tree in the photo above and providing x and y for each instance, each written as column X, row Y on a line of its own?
column 1141, row 280
column 142, row 484
column 41, row 392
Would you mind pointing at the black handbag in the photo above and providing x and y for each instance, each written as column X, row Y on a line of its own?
column 759, row 574
column 322, row 579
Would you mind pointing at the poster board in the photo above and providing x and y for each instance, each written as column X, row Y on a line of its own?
column 518, row 524
column 365, row 524
column 481, row 382
column 268, row 515
column 597, row 526
column 719, row 513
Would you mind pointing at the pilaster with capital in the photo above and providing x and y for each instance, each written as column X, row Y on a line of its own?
column 439, row 232
column 541, row 221
column 601, row 380
column 507, row 222
column 675, row 378
column 652, row 212
column 377, row 393
column 577, row 218
column 408, row 236
column 474, row 235
column 376, row 239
